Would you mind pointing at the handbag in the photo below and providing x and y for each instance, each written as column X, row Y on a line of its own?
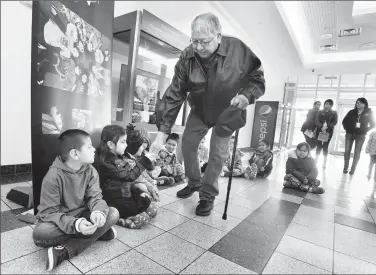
column 309, row 133
column 324, row 137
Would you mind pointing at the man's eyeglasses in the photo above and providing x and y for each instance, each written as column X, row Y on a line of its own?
column 202, row 42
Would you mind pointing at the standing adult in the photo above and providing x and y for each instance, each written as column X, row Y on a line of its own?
column 356, row 123
column 325, row 122
column 216, row 71
column 309, row 125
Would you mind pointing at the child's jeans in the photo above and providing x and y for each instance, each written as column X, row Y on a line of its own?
column 46, row 234
column 292, row 182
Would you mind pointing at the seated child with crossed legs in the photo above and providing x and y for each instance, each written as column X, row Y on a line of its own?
column 238, row 165
column 72, row 213
column 171, row 170
column 301, row 170
column 121, row 176
column 261, row 162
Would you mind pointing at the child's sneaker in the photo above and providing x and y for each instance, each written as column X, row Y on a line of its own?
column 109, row 235
column 316, row 190
column 55, row 256
column 169, row 181
column 251, row 171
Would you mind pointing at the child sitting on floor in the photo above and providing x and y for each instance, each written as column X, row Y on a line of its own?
column 238, row 165
column 72, row 213
column 261, row 162
column 171, row 170
column 122, row 182
column 203, row 155
column 301, row 170
column 144, row 157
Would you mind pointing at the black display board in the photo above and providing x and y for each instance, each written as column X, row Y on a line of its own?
column 264, row 123
column 70, row 76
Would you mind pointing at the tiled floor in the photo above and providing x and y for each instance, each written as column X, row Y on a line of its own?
column 269, row 230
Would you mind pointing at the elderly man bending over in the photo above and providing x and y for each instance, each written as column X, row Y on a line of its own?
column 214, row 72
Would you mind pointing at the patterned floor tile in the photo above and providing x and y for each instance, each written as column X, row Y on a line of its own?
column 282, row 264
column 98, row 253
column 319, row 237
column 356, row 223
column 171, row 252
column 307, row 252
column 167, row 219
column 344, row 264
column 197, row 233
column 215, row 220
column 354, row 213
column 242, row 252
column 35, row 263
column 234, row 210
column 136, row 237
column 131, row 262
column 210, row 263
column 17, row 243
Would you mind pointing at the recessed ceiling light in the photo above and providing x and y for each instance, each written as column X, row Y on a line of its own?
column 368, row 45
column 328, row 48
column 326, row 36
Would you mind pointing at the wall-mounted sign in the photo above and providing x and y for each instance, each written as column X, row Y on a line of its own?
column 264, row 122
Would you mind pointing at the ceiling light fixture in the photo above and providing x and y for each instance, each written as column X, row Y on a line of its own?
column 326, row 36
column 327, row 48
column 368, row 45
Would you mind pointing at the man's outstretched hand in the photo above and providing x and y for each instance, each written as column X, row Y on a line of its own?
column 158, row 143
column 241, row 101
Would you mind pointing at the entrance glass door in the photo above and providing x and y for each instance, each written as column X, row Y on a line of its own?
column 340, row 133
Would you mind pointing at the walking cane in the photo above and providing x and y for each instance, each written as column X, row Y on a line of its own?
column 224, row 217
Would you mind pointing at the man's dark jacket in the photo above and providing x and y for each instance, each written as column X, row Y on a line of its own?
column 234, row 69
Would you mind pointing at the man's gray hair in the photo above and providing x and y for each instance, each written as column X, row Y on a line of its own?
column 207, row 22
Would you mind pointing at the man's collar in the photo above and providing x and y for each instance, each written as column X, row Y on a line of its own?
column 221, row 50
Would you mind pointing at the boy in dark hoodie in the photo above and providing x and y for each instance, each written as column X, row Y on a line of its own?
column 301, row 170
column 261, row 162
column 72, row 213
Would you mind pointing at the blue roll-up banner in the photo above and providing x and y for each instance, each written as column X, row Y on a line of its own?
column 70, row 76
column 264, row 123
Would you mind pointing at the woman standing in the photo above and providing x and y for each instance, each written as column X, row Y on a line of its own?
column 356, row 123
column 325, row 122
column 309, row 124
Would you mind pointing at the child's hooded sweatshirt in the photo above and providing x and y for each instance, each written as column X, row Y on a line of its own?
column 67, row 193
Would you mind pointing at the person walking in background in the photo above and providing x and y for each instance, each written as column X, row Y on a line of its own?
column 325, row 122
column 309, row 127
column 356, row 123
column 371, row 150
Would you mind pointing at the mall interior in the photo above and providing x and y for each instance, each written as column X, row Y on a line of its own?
column 310, row 51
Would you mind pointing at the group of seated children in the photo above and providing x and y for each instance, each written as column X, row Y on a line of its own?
column 260, row 164
column 80, row 202
column 301, row 169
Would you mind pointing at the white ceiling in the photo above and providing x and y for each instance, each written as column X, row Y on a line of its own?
column 327, row 18
column 305, row 36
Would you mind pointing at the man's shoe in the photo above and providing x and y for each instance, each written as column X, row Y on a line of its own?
column 317, row 190
column 186, row 192
column 345, row 171
column 352, row 172
column 109, row 235
column 55, row 256
column 204, row 208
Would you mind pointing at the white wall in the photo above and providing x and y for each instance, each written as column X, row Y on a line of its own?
column 15, row 83
column 16, row 57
